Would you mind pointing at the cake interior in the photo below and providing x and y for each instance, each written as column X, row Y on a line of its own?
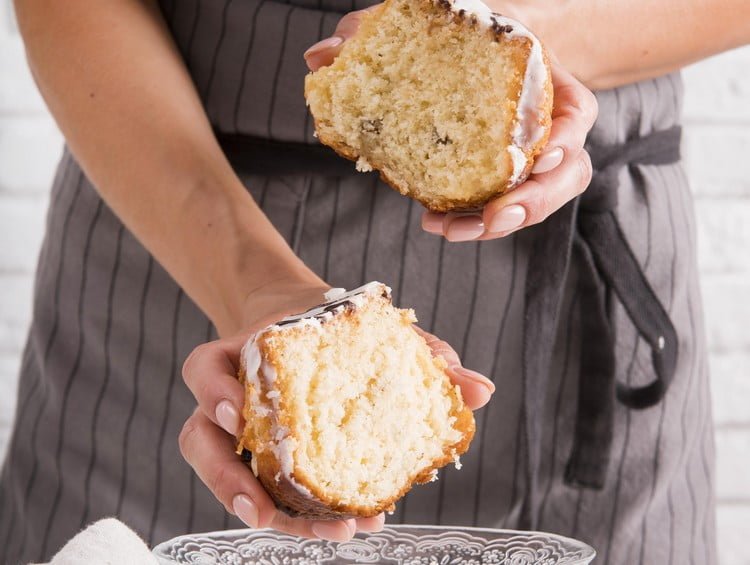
column 369, row 408
column 438, row 125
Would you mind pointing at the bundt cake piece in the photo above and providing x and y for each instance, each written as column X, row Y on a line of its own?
column 346, row 407
column 450, row 101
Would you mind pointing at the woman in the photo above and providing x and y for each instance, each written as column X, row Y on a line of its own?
column 154, row 239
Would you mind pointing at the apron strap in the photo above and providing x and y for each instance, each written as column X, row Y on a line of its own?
column 589, row 227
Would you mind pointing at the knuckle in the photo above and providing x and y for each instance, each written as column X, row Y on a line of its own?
column 538, row 207
column 217, row 481
column 189, row 364
column 585, row 171
column 590, row 107
column 186, row 438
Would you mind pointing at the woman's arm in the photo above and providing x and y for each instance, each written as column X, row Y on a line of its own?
column 118, row 89
column 608, row 43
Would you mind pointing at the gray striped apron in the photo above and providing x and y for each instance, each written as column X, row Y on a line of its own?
column 101, row 401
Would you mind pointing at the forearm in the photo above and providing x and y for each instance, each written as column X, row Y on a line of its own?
column 608, row 43
column 122, row 97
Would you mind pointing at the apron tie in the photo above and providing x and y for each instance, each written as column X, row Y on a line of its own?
column 588, row 226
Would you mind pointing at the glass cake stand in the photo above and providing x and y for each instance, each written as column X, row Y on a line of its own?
column 398, row 545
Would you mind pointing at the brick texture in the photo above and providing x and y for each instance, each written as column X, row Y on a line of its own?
column 717, row 118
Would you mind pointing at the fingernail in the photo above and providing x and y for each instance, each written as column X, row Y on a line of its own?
column 331, row 531
column 245, row 509
column 475, row 377
column 380, row 526
column 432, row 223
column 465, row 228
column 328, row 43
column 508, row 218
column 351, row 525
column 548, row 161
column 228, row 417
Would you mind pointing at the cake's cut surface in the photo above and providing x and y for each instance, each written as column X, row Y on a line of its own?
column 449, row 101
column 346, row 408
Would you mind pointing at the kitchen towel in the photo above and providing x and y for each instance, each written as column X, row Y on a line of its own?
column 106, row 542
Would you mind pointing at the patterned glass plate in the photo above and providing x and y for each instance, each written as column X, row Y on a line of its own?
column 398, row 545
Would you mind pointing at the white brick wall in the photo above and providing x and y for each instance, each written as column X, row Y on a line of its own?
column 718, row 160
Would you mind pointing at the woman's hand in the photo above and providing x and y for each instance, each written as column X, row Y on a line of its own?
column 561, row 172
column 207, row 440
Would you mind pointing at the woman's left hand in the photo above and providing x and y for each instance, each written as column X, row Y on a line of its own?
column 561, row 172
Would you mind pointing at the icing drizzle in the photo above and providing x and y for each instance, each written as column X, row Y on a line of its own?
column 337, row 300
column 528, row 129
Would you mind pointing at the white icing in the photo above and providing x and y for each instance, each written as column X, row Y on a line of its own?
column 283, row 445
column 357, row 298
column 363, row 165
column 334, row 294
column 528, row 129
column 283, row 450
column 519, row 161
column 457, row 462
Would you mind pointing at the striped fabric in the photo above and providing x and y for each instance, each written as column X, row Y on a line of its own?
column 101, row 401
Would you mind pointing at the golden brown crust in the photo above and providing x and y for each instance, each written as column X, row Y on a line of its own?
column 447, row 205
column 288, row 496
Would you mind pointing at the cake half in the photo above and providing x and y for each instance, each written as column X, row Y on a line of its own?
column 346, row 407
column 450, row 101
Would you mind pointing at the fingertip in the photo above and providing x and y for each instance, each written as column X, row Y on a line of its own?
column 332, row 530
column 373, row 524
column 228, row 417
column 463, row 228
column 323, row 52
column 246, row 510
column 351, row 525
column 476, row 389
column 548, row 161
column 476, row 398
column 476, row 377
column 432, row 222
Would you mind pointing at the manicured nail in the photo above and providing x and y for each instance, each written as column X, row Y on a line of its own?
column 228, row 417
column 475, row 377
column 508, row 218
column 548, row 161
column 351, row 525
column 380, row 524
column 331, row 531
column 245, row 509
column 465, row 228
column 328, row 43
column 432, row 223
column 373, row 525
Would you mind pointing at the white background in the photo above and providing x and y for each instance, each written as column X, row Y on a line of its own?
column 717, row 149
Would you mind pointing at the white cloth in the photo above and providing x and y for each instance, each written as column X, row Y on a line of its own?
column 106, row 542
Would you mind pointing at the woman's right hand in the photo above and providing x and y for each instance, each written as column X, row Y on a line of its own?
column 207, row 440
column 562, row 172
